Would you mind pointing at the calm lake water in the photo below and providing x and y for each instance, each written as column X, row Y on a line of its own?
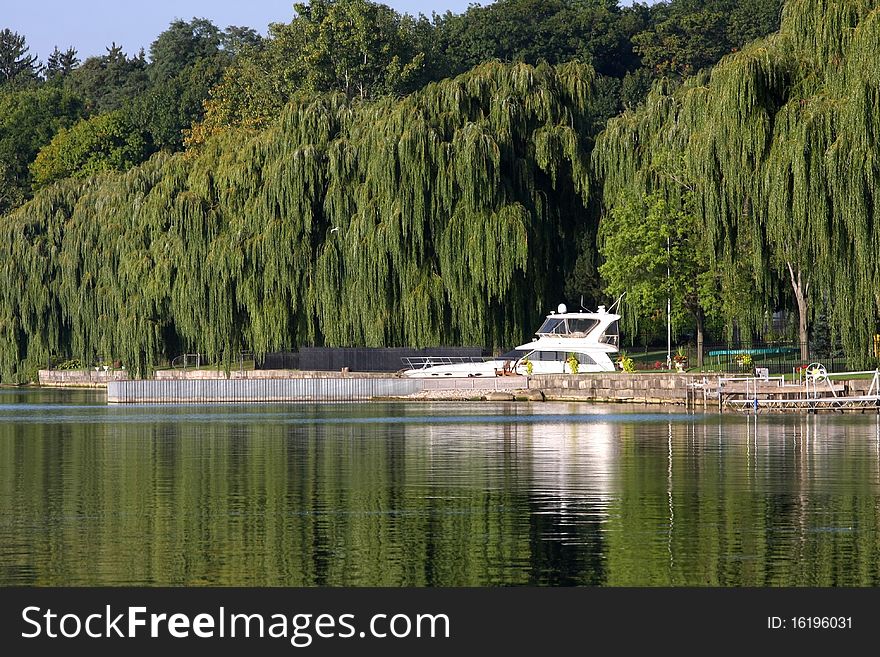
column 432, row 495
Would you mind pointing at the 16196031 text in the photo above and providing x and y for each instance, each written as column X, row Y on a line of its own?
column 810, row 623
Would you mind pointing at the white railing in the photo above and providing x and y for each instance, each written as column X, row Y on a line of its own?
column 424, row 362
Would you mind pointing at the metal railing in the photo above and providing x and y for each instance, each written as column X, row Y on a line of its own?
column 776, row 357
column 423, row 362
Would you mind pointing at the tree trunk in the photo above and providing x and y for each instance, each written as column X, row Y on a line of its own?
column 801, row 290
column 700, row 337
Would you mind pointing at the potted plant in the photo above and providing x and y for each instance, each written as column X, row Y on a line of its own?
column 626, row 363
column 680, row 360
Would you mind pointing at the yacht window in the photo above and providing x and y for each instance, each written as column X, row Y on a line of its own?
column 611, row 335
column 548, row 355
column 583, row 326
column 552, row 325
column 585, row 359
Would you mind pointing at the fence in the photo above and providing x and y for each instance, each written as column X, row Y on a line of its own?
column 357, row 359
column 257, row 390
column 777, row 358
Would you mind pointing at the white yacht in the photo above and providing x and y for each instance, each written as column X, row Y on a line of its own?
column 590, row 337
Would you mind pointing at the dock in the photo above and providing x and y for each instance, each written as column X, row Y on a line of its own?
column 817, row 391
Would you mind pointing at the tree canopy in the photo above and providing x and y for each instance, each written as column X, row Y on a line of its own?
column 105, row 142
column 359, row 155
column 777, row 145
column 455, row 209
column 29, row 119
column 17, row 66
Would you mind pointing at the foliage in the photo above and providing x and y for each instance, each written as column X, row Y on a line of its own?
column 29, row 118
column 626, row 363
column 61, row 64
column 653, row 251
column 107, row 82
column 777, row 145
column 573, row 363
column 685, row 38
column 452, row 206
column 170, row 107
column 359, row 48
column 180, row 46
column 103, row 143
column 17, row 67
column 556, row 31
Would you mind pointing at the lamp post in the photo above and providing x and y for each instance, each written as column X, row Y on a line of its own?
column 668, row 311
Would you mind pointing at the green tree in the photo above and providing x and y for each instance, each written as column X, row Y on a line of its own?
column 777, row 145
column 29, row 118
column 181, row 46
column 251, row 92
column 360, row 48
column 652, row 251
column 102, row 143
column 170, row 107
column 107, row 82
column 237, row 40
column 455, row 208
column 594, row 31
column 683, row 44
column 16, row 65
column 61, row 63
column 686, row 36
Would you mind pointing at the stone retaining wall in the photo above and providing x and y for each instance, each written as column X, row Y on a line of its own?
column 649, row 388
column 80, row 378
column 619, row 387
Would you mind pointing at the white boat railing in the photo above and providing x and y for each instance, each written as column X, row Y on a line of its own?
column 424, row 362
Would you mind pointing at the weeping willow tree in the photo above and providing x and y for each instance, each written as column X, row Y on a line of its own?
column 445, row 217
column 779, row 144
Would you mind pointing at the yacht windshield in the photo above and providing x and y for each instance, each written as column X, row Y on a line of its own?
column 579, row 328
column 611, row 335
column 552, row 325
column 576, row 328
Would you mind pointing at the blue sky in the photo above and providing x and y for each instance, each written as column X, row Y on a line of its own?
column 91, row 25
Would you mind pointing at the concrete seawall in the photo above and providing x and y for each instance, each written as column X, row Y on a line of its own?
column 80, row 378
column 286, row 385
column 648, row 388
column 257, row 390
column 332, row 386
column 301, row 388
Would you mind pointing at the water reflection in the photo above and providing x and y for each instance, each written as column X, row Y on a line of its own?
column 432, row 494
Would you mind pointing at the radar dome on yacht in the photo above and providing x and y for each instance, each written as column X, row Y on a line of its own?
column 562, row 309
